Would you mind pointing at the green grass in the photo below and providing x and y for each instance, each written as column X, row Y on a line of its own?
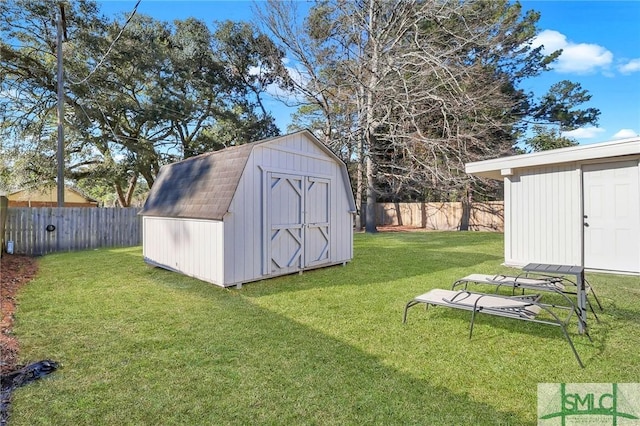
column 140, row 345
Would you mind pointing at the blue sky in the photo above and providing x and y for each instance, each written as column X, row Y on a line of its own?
column 600, row 42
column 601, row 51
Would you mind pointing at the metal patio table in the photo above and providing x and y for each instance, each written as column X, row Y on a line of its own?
column 576, row 271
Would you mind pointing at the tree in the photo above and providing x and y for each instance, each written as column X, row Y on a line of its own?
column 558, row 106
column 341, row 53
column 180, row 98
column 429, row 86
column 545, row 138
column 319, row 85
column 28, row 84
column 138, row 95
column 450, row 103
column 556, row 113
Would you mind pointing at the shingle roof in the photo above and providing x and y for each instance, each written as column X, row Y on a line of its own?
column 200, row 187
column 203, row 187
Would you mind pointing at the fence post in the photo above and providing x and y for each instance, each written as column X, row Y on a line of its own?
column 466, row 214
column 4, row 204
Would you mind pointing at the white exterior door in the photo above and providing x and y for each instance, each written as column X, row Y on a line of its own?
column 612, row 216
column 297, row 222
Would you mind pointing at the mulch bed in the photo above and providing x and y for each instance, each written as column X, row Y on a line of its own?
column 15, row 271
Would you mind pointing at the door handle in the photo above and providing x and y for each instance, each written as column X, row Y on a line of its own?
column 586, row 225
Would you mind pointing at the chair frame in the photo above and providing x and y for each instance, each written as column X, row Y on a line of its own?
column 525, row 282
column 522, row 307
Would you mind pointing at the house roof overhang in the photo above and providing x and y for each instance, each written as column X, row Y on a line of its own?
column 498, row 168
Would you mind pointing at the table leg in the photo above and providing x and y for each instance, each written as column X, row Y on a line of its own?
column 582, row 303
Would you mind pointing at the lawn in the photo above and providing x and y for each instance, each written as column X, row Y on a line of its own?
column 141, row 345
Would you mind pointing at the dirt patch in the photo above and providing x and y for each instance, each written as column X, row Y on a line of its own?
column 15, row 271
column 401, row 228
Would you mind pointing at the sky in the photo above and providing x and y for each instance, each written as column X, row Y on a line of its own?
column 600, row 42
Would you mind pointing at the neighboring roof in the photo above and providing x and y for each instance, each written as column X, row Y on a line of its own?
column 48, row 194
column 202, row 187
column 499, row 167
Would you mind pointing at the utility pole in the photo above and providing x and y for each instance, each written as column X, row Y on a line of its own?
column 61, row 24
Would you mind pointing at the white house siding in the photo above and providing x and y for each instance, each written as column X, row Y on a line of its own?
column 548, row 193
column 543, row 216
column 245, row 243
column 193, row 247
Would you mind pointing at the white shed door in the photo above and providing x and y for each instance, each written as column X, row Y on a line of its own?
column 317, row 221
column 612, row 216
column 297, row 209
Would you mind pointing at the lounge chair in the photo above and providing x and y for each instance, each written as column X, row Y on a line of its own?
column 564, row 279
column 558, row 285
column 524, row 307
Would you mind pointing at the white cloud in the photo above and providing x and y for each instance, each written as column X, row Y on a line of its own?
column 289, row 97
column 625, row 133
column 551, row 40
column 630, row 67
column 584, row 133
column 581, row 58
column 275, row 91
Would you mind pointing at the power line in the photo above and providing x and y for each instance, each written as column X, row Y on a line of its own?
column 133, row 12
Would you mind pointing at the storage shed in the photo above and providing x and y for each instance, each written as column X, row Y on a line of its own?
column 572, row 206
column 251, row 212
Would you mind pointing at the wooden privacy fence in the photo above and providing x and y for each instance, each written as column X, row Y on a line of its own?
column 487, row 216
column 42, row 230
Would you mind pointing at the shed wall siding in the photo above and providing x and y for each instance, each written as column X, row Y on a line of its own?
column 245, row 241
column 544, row 212
column 193, row 247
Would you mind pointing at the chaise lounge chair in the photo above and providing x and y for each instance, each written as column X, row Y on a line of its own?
column 549, row 284
column 524, row 307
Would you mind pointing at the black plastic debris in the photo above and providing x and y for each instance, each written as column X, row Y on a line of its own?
column 20, row 377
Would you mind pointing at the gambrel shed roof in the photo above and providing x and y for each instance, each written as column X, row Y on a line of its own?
column 202, row 187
